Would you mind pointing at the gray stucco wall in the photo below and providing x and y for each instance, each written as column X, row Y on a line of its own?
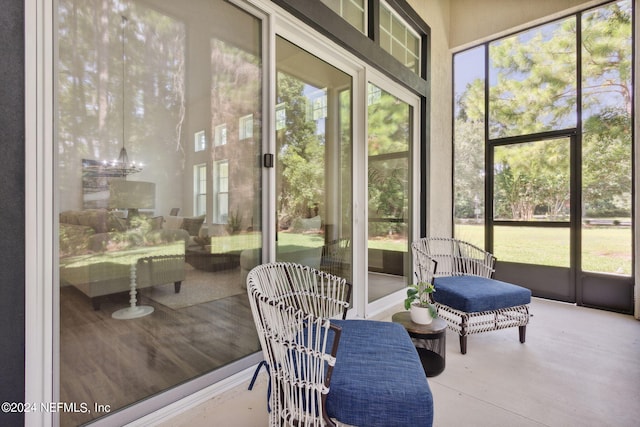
column 12, row 198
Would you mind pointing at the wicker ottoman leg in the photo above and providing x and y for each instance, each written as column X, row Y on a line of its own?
column 463, row 344
column 522, row 330
column 176, row 286
column 463, row 333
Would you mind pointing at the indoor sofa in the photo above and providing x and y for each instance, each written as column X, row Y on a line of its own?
column 98, row 250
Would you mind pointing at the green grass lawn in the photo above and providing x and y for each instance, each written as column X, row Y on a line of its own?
column 604, row 249
column 301, row 240
column 389, row 244
column 125, row 256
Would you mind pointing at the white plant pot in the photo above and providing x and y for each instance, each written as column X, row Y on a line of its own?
column 420, row 315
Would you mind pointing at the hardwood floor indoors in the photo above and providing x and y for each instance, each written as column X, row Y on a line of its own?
column 117, row 362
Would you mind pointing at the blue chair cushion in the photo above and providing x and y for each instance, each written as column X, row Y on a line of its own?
column 475, row 294
column 378, row 379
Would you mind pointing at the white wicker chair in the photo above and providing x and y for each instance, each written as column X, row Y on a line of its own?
column 458, row 258
column 291, row 306
column 335, row 257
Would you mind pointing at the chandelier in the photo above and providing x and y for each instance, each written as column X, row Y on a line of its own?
column 122, row 166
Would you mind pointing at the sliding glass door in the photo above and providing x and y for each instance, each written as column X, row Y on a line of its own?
column 313, row 161
column 391, row 154
column 179, row 170
column 154, row 245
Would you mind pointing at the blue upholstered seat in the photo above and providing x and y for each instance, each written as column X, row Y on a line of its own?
column 378, row 378
column 475, row 294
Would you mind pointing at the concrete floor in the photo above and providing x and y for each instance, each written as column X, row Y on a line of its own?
column 579, row 367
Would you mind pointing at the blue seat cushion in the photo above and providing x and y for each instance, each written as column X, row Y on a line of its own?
column 474, row 294
column 378, row 379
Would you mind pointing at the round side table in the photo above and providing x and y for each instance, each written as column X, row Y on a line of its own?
column 430, row 341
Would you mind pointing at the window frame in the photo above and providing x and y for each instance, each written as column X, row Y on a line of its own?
column 365, row 13
column 415, row 155
column 218, row 216
column 199, row 189
column 407, row 30
column 323, row 19
column 200, row 141
column 220, row 135
column 245, row 127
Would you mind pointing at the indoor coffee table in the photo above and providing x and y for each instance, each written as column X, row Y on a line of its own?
column 202, row 258
column 430, row 341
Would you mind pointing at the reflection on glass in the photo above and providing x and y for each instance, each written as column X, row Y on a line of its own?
column 313, row 178
column 532, row 245
column 606, row 150
column 532, row 181
column 469, row 158
column 352, row 11
column 389, row 171
column 185, row 247
column 532, row 79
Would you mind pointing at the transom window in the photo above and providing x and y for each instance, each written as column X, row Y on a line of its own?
column 384, row 25
column 352, row 11
column 397, row 38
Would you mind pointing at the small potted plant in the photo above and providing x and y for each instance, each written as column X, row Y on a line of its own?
column 418, row 301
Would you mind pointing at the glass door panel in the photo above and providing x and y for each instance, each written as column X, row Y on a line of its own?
column 153, row 82
column 313, row 161
column 389, row 175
